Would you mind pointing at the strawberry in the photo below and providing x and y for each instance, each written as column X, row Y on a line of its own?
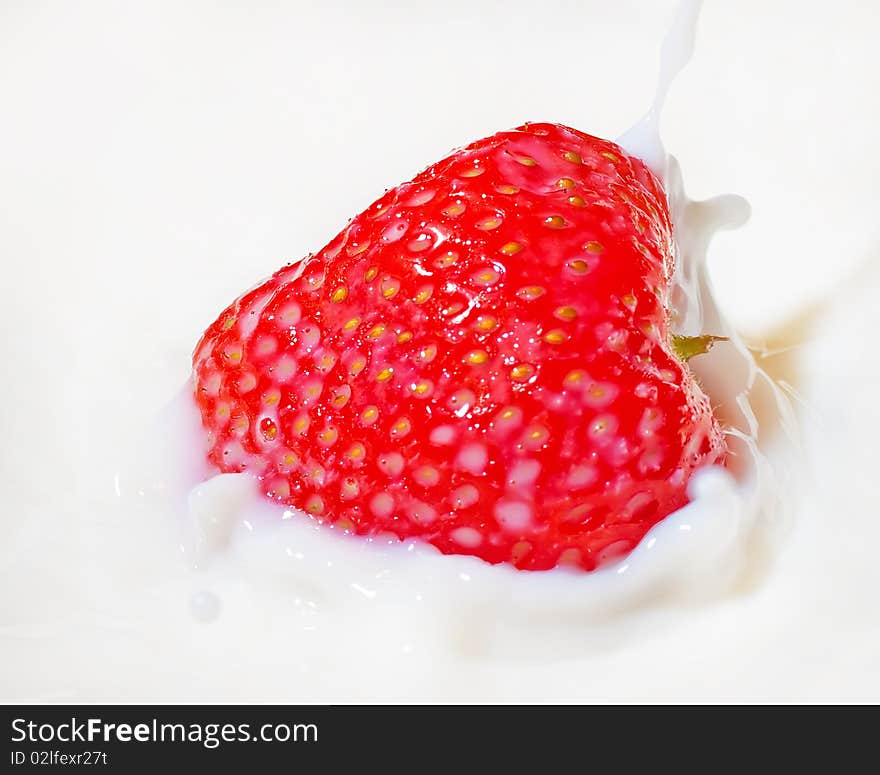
column 482, row 359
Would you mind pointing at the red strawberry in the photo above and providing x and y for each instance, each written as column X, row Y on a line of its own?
column 481, row 359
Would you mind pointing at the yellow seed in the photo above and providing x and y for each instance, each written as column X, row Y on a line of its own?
column 486, row 276
column 594, row 247
column 385, row 374
column 486, row 323
column 526, row 161
column 234, row 355
column 629, row 301
column 272, row 398
column 357, row 366
column 228, row 323
column 519, row 551
column 404, row 336
column 531, row 292
column 370, row 274
column 477, row 357
column 289, row 459
column 507, row 414
column 609, row 156
column 565, row 183
column 472, row 172
column 522, row 372
column 356, row 451
column 578, row 266
column 339, row 294
column 351, row 325
column 574, row 158
column 537, row 433
column 556, row 336
column 576, row 201
column 448, row 260
column 511, row 248
column 390, row 287
column 356, row 249
column 575, row 377
column 401, row 428
column 599, row 426
column 506, row 188
column 280, row 490
column 423, row 295
column 422, row 388
column 328, row 436
column 376, row 331
column 461, row 398
column 487, row 224
column 427, row 476
column 428, row 353
column 369, row 415
column 565, row 313
column 301, row 424
column 247, row 383
column 456, row 208
column 554, row 222
column 643, row 250
column 266, row 345
column 421, row 243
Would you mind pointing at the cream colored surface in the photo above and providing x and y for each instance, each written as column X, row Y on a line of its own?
column 157, row 161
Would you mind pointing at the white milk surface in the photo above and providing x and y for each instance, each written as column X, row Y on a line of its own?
column 153, row 170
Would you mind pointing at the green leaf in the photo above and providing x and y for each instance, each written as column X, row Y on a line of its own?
column 686, row 347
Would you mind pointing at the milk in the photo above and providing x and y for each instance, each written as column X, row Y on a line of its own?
column 699, row 553
column 184, row 586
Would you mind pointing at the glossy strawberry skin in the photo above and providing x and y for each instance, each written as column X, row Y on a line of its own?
column 480, row 359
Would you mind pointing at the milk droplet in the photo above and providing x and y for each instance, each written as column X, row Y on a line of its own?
column 205, row 606
column 643, row 138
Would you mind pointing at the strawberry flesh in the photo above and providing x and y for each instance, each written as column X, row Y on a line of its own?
column 481, row 359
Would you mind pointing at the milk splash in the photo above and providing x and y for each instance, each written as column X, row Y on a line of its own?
column 643, row 138
column 416, row 599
